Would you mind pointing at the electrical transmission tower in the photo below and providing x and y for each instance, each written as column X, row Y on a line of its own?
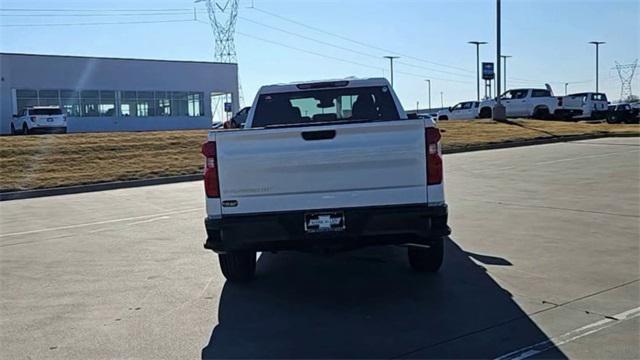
column 626, row 73
column 222, row 17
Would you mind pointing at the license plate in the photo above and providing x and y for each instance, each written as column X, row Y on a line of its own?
column 324, row 222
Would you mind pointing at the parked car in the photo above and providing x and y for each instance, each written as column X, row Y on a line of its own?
column 534, row 103
column 335, row 165
column 463, row 110
column 39, row 119
column 587, row 105
column 623, row 113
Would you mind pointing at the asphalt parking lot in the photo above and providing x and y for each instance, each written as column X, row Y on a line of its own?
column 543, row 262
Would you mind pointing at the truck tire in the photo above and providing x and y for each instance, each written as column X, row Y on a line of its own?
column 562, row 115
column 541, row 113
column 443, row 117
column 238, row 266
column 427, row 259
column 25, row 129
column 485, row 113
column 13, row 129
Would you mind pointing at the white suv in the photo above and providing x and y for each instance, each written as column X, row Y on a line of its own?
column 39, row 119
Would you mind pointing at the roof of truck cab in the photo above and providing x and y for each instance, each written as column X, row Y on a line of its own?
column 293, row 86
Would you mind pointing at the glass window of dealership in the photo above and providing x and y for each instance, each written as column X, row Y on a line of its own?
column 109, row 103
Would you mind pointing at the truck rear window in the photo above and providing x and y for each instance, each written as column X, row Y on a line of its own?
column 45, row 112
column 315, row 106
column 599, row 97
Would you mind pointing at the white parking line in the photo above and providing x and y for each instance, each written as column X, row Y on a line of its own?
column 149, row 220
column 570, row 336
column 100, row 222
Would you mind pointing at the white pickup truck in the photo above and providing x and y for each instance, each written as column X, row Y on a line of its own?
column 465, row 110
column 588, row 105
column 330, row 165
column 534, row 103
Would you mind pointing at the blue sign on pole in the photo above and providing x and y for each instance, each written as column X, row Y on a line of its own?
column 487, row 71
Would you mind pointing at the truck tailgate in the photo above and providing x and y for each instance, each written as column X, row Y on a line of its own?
column 302, row 168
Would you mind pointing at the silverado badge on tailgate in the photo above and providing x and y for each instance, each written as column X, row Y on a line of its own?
column 321, row 222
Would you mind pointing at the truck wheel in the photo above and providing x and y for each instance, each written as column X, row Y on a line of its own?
column 238, row 266
column 427, row 259
column 541, row 113
column 443, row 117
column 485, row 113
column 25, row 129
column 13, row 129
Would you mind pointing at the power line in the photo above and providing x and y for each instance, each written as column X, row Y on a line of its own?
column 309, row 52
column 329, row 56
column 356, row 41
column 96, row 23
column 92, row 15
column 165, row 12
column 301, row 50
column 344, row 48
column 92, row 10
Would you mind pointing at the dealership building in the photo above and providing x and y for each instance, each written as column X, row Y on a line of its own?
column 115, row 94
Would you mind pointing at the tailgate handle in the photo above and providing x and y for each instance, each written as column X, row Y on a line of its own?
column 319, row 135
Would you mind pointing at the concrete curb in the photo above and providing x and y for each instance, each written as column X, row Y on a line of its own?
column 537, row 141
column 27, row 194
column 76, row 189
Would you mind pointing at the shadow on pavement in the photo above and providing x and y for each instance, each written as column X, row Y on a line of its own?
column 369, row 304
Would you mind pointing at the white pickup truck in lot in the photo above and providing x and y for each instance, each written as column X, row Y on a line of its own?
column 534, row 103
column 331, row 165
column 465, row 110
column 588, row 105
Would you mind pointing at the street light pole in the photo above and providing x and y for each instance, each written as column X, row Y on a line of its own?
column 477, row 44
column 441, row 100
column 429, row 81
column 565, row 87
column 504, row 71
column 499, row 111
column 597, row 44
column 391, row 64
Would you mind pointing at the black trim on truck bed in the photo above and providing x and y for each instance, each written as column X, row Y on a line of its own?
column 385, row 225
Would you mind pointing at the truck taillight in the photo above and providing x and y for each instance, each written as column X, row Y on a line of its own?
column 211, row 182
column 434, row 157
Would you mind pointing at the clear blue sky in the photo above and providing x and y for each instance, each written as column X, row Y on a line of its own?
column 547, row 39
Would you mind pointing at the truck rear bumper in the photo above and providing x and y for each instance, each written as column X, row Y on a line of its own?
column 386, row 225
